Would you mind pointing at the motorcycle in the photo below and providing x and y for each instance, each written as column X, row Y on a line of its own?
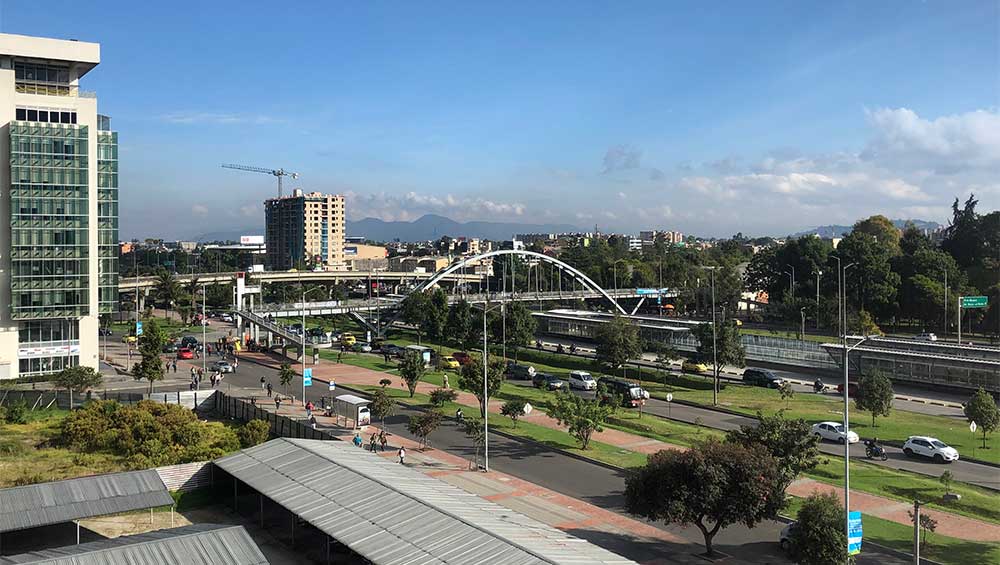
column 875, row 451
column 818, row 386
column 560, row 349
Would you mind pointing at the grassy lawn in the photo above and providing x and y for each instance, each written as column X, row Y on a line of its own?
column 900, row 537
column 171, row 326
column 27, row 455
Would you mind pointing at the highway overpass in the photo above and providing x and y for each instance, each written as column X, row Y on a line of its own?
column 129, row 284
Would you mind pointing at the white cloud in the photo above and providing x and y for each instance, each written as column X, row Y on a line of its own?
column 183, row 117
column 199, row 210
column 412, row 205
column 947, row 144
column 622, row 195
column 621, row 158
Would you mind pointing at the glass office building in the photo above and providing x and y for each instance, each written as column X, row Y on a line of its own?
column 59, row 269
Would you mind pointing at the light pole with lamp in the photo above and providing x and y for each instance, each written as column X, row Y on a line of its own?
column 715, row 350
column 204, row 346
column 791, row 281
column 486, row 399
column 819, row 273
column 302, row 351
column 802, row 311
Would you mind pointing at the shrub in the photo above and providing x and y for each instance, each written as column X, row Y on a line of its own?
column 17, row 413
column 12, row 448
column 441, row 396
column 253, row 433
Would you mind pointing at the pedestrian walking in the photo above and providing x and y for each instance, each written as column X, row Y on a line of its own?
column 371, row 442
column 385, row 355
column 402, row 455
column 262, row 383
column 312, row 421
column 382, row 440
column 174, row 364
column 269, row 389
column 193, row 375
column 357, row 440
column 236, row 363
column 340, row 356
column 277, row 404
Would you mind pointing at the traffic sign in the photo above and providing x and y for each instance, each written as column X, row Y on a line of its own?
column 333, row 385
column 972, row 427
column 854, row 533
column 670, row 397
column 138, row 328
column 307, row 377
column 975, row 301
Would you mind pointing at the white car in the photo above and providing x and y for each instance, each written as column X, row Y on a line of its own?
column 926, row 337
column 930, row 447
column 833, row 431
column 222, row 367
column 785, row 537
column 582, row 380
column 226, row 318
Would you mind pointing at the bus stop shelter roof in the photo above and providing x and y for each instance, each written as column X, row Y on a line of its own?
column 198, row 544
column 56, row 502
column 391, row 514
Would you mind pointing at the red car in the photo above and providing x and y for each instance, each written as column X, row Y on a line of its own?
column 852, row 389
column 462, row 357
column 185, row 353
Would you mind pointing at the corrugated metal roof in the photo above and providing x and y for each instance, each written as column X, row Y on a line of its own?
column 391, row 514
column 62, row 501
column 199, row 544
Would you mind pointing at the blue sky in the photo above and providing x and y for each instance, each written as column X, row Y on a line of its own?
column 765, row 118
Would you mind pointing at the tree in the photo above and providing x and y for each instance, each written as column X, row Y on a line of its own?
column 963, row 238
column 382, row 405
column 76, row 379
column 790, row 442
column 441, row 396
column 435, row 315
column 521, row 326
column 474, row 429
column 872, row 280
column 412, row 369
column 786, row 391
column 471, row 380
column 818, row 537
column 712, row 485
column 982, row 410
column 513, row 409
column 728, row 347
column 151, row 342
column 384, row 382
column 883, row 230
column 459, row 327
column 166, row 289
column 874, row 394
column 253, row 433
column 581, row 416
column 927, row 525
column 617, row 342
column 424, row 425
column 285, row 376
column 412, row 311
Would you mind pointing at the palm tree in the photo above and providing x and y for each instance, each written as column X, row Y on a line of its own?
column 166, row 290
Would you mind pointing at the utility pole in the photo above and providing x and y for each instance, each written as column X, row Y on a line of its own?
column 819, row 273
column 945, row 336
column 916, row 531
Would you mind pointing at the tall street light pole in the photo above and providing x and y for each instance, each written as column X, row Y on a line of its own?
column 302, row 350
column 842, row 283
column 791, row 282
column 715, row 350
column 819, row 273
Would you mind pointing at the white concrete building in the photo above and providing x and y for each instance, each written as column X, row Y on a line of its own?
column 59, row 255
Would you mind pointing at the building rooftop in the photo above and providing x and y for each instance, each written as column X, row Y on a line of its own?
column 85, row 55
column 392, row 514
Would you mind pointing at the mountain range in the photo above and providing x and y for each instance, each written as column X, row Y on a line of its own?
column 427, row 227
column 840, row 231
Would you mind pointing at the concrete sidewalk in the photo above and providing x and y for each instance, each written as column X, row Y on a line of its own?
column 949, row 524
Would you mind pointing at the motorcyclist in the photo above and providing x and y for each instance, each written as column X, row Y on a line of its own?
column 459, row 416
column 873, row 448
column 560, row 349
column 818, row 385
column 572, row 349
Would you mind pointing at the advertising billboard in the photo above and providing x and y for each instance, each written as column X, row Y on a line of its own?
column 251, row 240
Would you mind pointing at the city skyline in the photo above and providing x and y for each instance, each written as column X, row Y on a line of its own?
column 758, row 120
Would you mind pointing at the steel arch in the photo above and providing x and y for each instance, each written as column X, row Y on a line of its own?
column 584, row 279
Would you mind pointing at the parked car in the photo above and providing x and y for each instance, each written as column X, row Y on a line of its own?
column 852, row 389
column 926, row 337
column 833, row 431
column 547, row 381
column 392, row 349
column 690, row 366
column 930, row 447
column 361, row 347
column 582, row 380
column 761, row 377
column 448, row 362
column 129, row 339
column 185, row 353
column 228, row 318
column 170, row 347
column 222, row 367
column 348, row 339
column 462, row 357
column 630, row 395
column 517, row 371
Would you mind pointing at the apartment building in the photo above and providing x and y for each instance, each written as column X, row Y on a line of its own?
column 305, row 229
column 59, row 266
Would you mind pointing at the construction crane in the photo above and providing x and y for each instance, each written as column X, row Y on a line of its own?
column 276, row 172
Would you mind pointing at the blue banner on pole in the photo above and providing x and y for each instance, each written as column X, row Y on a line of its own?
column 138, row 328
column 307, row 377
column 854, row 533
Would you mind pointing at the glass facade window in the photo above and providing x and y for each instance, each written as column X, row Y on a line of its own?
column 49, row 220
column 107, row 216
column 37, row 78
column 43, row 365
column 35, row 332
column 52, row 116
